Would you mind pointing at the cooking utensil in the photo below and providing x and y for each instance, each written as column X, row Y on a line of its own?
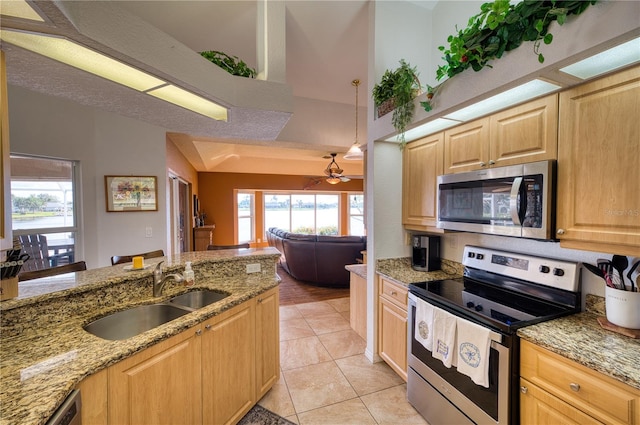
column 605, row 266
column 630, row 272
column 594, row 269
column 620, row 263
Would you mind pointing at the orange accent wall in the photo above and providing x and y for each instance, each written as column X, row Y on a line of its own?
column 216, row 193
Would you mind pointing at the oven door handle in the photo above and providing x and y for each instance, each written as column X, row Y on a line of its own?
column 514, row 206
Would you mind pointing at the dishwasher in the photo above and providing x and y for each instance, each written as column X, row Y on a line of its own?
column 69, row 412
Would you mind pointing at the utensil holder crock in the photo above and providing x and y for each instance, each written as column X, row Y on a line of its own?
column 623, row 307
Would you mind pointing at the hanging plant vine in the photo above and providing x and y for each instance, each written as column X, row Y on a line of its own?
column 231, row 64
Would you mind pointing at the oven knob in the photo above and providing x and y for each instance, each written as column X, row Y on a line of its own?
column 478, row 307
column 558, row 272
column 470, row 304
column 480, row 256
column 544, row 269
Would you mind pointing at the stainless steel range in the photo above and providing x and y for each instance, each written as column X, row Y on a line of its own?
column 501, row 292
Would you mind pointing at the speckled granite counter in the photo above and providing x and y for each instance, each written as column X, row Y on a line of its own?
column 45, row 352
column 581, row 338
column 359, row 269
column 400, row 271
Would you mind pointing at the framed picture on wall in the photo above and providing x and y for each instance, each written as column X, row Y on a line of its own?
column 131, row 193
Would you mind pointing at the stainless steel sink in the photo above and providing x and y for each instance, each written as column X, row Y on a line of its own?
column 198, row 299
column 127, row 323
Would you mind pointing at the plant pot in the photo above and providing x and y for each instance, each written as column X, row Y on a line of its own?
column 385, row 107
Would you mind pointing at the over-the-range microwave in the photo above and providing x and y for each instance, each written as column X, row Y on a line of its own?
column 515, row 200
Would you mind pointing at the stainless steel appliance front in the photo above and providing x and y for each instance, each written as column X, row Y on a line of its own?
column 511, row 201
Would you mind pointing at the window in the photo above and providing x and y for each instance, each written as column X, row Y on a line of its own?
column 356, row 215
column 303, row 213
column 44, row 208
column 245, row 208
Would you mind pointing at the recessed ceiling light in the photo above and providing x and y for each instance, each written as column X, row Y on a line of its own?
column 609, row 60
column 188, row 100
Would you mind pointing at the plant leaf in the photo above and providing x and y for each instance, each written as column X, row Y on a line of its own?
column 548, row 38
column 540, row 58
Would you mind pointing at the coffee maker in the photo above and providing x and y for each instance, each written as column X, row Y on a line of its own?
column 426, row 253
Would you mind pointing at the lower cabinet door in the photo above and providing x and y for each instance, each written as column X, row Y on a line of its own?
column 228, row 365
column 392, row 337
column 160, row 385
column 267, row 341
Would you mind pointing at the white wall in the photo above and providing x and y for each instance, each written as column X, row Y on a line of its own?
column 104, row 144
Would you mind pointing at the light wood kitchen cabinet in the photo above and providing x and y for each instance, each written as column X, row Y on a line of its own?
column 267, row 341
column 598, row 200
column 228, row 365
column 358, row 304
column 557, row 390
column 524, row 133
column 392, row 325
column 94, row 396
column 203, row 237
column 422, row 163
column 160, row 385
column 6, row 238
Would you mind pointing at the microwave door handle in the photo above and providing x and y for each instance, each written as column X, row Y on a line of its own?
column 513, row 201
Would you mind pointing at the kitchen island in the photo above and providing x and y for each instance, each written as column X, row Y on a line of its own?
column 45, row 352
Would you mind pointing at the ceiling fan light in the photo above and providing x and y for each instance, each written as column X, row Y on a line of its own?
column 333, row 180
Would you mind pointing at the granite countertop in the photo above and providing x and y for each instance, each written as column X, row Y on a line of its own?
column 399, row 270
column 45, row 352
column 359, row 269
column 581, row 338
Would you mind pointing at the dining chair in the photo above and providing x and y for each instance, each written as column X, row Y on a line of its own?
column 121, row 259
column 217, row 247
column 52, row 271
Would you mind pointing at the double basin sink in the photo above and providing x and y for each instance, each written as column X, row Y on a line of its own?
column 131, row 322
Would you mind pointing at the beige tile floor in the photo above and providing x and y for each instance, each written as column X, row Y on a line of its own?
column 325, row 377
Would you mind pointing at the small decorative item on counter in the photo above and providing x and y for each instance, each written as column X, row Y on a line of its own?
column 189, row 278
column 138, row 262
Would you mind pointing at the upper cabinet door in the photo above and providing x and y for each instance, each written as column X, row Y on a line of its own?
column 6, row 237
column 421, row 166
column 599, row 165
column 525, row 133
column 466, row 147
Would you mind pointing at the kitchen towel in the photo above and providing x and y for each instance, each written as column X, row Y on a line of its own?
column 444, row 336
column 473, row 346
column 424, row 324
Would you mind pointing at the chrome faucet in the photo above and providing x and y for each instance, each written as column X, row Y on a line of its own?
column 159, row 280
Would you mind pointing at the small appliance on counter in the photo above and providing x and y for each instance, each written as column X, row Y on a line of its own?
column 426, row 253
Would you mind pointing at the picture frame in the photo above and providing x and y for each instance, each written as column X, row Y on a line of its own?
column 131, row 193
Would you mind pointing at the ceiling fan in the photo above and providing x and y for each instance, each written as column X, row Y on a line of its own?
column 334, row 172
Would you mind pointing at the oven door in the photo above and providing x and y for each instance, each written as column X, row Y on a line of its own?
column 444, row 396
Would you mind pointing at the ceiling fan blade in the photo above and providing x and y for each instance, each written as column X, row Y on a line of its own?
column 344, row 179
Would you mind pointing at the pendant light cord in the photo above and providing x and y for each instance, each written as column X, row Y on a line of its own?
column 356, row 83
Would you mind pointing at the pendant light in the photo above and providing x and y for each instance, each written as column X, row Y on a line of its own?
column 355, row 152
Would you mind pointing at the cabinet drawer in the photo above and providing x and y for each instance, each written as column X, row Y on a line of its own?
column 394, row 292
column 589, row 391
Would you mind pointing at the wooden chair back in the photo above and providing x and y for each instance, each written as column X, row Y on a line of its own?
column 52, row 271
column 38, row 250
column 121, row 259
column 217, row 247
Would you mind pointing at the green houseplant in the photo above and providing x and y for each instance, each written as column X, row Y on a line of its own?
column 500, row 27
column 396, row 91
column 231, row 64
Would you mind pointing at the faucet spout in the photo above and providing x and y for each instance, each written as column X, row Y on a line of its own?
column 159, row 280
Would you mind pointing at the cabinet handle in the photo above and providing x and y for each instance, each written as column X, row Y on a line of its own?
column 394, row 293
column 260, row 300
column 575, row 387
column 199, row 332
column 524, row 389
column 208, row 327
column 483, row 164
column 560, row 231
column 492, row 162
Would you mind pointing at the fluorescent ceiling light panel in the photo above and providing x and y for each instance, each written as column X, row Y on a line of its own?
column 614, row 58
column 425, row 129
column 190, row 101
column 20, row 9
column 503, row 100
column 80, row 57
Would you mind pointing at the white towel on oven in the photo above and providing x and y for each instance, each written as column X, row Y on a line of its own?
column 424, row 324
column 444, row 336
column 474, row 345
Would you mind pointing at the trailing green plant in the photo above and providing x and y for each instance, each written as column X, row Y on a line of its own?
column 401, row 85
column 500, row 27
column 231, row 64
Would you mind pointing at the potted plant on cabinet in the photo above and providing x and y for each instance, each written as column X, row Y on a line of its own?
column 396, row 91
column 231, row 64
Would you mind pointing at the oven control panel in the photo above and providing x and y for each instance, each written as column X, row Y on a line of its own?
column 543, row 271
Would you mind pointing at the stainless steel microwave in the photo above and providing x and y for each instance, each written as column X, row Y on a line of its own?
column 515, row 201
